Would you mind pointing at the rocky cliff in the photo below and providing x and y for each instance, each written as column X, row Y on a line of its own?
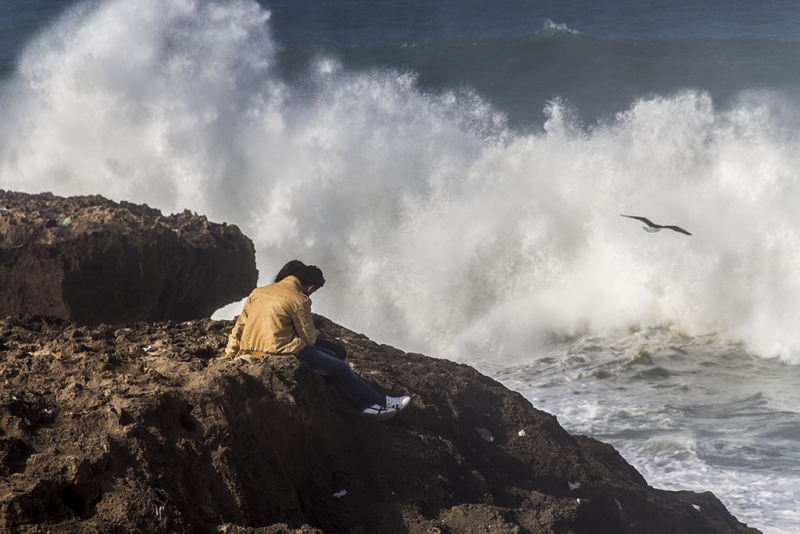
column 137, row 428
column 91, row 260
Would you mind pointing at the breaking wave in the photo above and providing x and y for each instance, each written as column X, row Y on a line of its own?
column 439, row 228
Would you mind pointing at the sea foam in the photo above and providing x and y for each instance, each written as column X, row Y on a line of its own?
column 439, row 228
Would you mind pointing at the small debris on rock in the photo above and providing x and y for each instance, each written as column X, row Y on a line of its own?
column 485, row 434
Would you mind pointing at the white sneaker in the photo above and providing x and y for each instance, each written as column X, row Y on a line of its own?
column 394, row 405
column 398, row 403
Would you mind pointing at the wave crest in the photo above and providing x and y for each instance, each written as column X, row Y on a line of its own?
column 439, row 228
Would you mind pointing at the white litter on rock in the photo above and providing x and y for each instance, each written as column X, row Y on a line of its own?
column 573, row 485
column 340, row 494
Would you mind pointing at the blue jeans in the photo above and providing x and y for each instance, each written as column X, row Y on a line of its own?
column 355, row 389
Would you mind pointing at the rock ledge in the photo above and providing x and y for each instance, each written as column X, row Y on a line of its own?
column 136, row 428
column 91, row 260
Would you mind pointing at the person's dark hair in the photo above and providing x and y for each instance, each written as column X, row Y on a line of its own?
column 311, row 275
column 291, row 268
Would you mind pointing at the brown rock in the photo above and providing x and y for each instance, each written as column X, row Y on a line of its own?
column 91, row 260
column 137, row 429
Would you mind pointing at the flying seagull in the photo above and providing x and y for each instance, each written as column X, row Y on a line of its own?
column 652, row 227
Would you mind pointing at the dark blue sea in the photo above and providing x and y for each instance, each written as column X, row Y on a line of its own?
column 458, row 170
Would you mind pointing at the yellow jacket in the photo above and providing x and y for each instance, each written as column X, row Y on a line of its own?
column 276, row 319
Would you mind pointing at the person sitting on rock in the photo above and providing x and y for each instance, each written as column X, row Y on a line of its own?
column 292, row 268
column 276, row 319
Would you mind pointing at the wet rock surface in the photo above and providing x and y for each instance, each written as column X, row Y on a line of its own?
column 137, row 428
column 91, row 260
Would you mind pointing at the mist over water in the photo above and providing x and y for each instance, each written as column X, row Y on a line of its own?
column 440, row 228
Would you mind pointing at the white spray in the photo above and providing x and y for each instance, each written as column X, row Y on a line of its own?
column 439, row 229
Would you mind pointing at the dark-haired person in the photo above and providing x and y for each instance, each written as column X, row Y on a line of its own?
column 293, row 267
column 276, row 319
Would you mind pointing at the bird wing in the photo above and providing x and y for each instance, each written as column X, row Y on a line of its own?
column 678, row 229
column 643, row 219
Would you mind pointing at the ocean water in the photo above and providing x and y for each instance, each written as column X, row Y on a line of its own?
column 458, row 170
